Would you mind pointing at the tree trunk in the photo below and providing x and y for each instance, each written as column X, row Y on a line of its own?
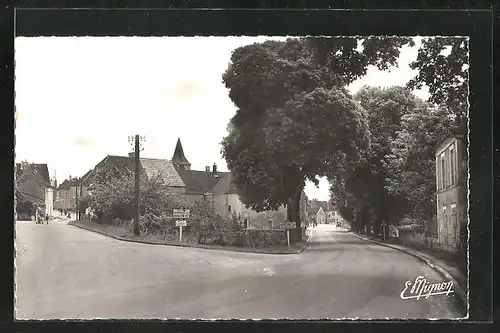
column 368, row 221
column 293, row 212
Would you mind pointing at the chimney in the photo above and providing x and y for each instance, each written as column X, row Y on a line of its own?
column 207, row 168
column 69, row 177
column 131, row 154
column 214, row 168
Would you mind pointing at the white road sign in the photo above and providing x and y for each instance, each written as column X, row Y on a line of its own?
column 180, row 223
column 181, row 213
column 288, row 225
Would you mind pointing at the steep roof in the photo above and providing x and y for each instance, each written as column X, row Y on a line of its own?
column 67, row 184
column 32, row 186
column 315, row 205
column 199, row 182
column 179, row 158
column 37, row 168
column 87, row 178
column 150, row 166
column 164, row 168
column 225, row 185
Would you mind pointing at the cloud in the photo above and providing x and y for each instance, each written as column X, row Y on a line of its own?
column 83, row 141
column 184, row 90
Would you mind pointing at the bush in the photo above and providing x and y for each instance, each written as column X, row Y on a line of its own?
column 411, row 228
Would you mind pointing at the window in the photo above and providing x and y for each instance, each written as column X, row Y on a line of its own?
column 443, row 178
column 452, row 167
column 228, row 208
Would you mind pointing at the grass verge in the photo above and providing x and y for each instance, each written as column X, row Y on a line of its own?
column 122, row 233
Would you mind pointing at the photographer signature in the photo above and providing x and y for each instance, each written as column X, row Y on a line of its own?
column 420, row 287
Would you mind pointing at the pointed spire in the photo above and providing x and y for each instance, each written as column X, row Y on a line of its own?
column 179, row 160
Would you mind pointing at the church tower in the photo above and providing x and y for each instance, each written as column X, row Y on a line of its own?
column 179, row 160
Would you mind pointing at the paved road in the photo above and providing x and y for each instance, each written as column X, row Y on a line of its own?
column 67, row 272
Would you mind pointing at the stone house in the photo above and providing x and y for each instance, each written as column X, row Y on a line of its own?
column 150, row 167
column 198, row 184
column 217, row 187
column 33, row 183
column 451, row 201
column 66, row 194
column 333, row 217
column 318, row 211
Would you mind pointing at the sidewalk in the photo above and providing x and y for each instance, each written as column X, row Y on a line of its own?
column 440, row 262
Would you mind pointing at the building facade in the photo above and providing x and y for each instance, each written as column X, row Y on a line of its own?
column 34, row 184
column 451, row 201
column 321, row 217
column 66, row 194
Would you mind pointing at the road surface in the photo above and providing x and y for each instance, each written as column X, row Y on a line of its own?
column 66, row 272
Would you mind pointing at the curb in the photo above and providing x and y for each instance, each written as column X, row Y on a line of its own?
column 190, row 245
column 441, row 271
column 306, row 244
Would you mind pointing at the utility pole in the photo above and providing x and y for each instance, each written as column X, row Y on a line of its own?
column 81, row 194
column 136, row 140
column 76, row 197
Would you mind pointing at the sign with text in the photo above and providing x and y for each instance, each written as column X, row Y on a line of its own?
column 287, row 225
column 180, row 214
column 180, row 223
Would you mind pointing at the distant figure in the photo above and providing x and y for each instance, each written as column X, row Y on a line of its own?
column 47, row 218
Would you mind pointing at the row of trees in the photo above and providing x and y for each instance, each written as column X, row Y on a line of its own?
column 395, row 178
column 295, row 121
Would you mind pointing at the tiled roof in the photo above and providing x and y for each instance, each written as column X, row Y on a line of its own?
column 150, row 166
column 164, row 168
column 87, row 178
column 225, row 185
column 67, row 184
column 32, row 186
column 199, row 182
column 315, row 205
column 41, row 169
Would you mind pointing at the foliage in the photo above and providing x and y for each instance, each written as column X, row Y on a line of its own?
column 349, row 57
column 442, row 65
column 360, row 194
column 25, row 207
column 411, row 228
column 84, row 202
column 295, row 121
column 411, row 163
column 114, row 196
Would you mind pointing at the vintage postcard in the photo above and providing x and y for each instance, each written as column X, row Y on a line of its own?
column 300, row 177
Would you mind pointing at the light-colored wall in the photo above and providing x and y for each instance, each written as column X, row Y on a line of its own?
column 451, row 197
column 49, row 201
column 65, row 199
column 223, row 201
column 321, row 217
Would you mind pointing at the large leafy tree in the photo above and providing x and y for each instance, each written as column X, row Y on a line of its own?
column 295, row 121
column 443, row 66
column 365, row 186
column 411, row 164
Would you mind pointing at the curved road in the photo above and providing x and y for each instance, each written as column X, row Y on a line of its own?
column 66, row 272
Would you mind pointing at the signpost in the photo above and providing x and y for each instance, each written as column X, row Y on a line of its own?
column 287, row 225
column 180, row 224
column 181, row 215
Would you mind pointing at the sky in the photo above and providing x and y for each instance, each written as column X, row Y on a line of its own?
column 79, row 98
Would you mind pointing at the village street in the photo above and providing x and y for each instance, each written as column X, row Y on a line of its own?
column 67, row 272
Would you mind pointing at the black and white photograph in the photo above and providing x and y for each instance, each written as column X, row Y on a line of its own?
column 241, row 177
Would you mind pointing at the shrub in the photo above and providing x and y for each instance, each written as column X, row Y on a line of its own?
column 411, row 228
